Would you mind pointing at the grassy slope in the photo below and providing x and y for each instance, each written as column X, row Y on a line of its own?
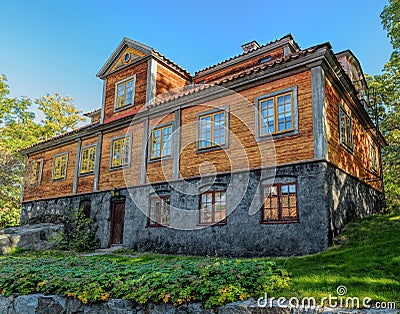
column 365, row 259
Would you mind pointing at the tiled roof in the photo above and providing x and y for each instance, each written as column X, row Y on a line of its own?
column 74, row 131
column 245, row 53
column 196, row 88
column 92, row 113
column 172, row 63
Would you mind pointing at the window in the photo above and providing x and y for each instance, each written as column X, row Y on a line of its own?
column 373, row 158
column 280, row 203
column 35, row 172
column 161, row 142
column 346, row 135
column 276, row 114
column 265, row 59
column 213, row 207
column 125, row 92
column 120, row 152
column 159, row 211
column 212, row 130
column 60, row 166
column 88, row 157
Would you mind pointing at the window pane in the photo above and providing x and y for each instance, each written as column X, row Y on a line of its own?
column 129, row 93
column 165, row 211
column 220, row 206
column 125, row 151
column 206, row 208
column 219, row 132
column 120, row 95
column 166, row 149
column 205, row 131
column 156, row 144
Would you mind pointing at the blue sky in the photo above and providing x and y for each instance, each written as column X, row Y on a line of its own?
column 59, row 46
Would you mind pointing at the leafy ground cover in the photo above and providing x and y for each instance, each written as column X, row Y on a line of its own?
column 365, row 259
column 146, row 278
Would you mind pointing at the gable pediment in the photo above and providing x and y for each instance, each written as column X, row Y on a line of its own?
column 127, row 52
column 129, row 55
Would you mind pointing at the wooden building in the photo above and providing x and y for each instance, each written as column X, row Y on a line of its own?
column 270, row 152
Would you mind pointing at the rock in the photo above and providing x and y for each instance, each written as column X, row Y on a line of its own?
column 5, row 304
column 161, row 309
column 52, row 304
column 35, row 237
column 193, row 308
column 26, row 304
column 74, row 306
column 112, row 306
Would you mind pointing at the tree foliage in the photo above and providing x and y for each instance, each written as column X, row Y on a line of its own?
column 60, row 114
column 18, row 129
column 390, row 17
column 385, row 91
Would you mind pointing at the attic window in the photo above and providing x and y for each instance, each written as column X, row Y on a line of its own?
column 127, row 57
column 265, row 59
column 125, row 93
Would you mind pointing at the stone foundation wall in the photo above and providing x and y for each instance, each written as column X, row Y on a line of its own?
column 348, row 198
column 327, row 199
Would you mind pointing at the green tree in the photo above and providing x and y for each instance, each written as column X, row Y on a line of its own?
column 385, row 92
column 18, row 129
column 390, row 17
column 60, row 114
column 11, row 169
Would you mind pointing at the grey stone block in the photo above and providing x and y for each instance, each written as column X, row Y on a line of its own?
column 112, row 306
column 26, row 304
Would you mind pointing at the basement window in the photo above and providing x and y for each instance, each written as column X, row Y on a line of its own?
column 159, row 214
column 60, row 164
column 212, row 208
column 35, row 172
column 280, row 203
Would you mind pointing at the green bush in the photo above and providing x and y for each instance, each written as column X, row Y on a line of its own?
column 213, row 281
column 9, row 217
column 79, row 234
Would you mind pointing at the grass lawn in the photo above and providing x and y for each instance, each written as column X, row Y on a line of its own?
column 366, row 260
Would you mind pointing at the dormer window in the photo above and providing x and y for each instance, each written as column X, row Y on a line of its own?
column 265, row 59
column 125, row 93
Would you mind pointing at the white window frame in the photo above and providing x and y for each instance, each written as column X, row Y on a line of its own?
column 131, row 78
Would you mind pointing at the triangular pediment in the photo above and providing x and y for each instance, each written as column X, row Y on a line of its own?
column 128, row 51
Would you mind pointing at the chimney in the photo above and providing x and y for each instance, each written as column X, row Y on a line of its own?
column 253, row 45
